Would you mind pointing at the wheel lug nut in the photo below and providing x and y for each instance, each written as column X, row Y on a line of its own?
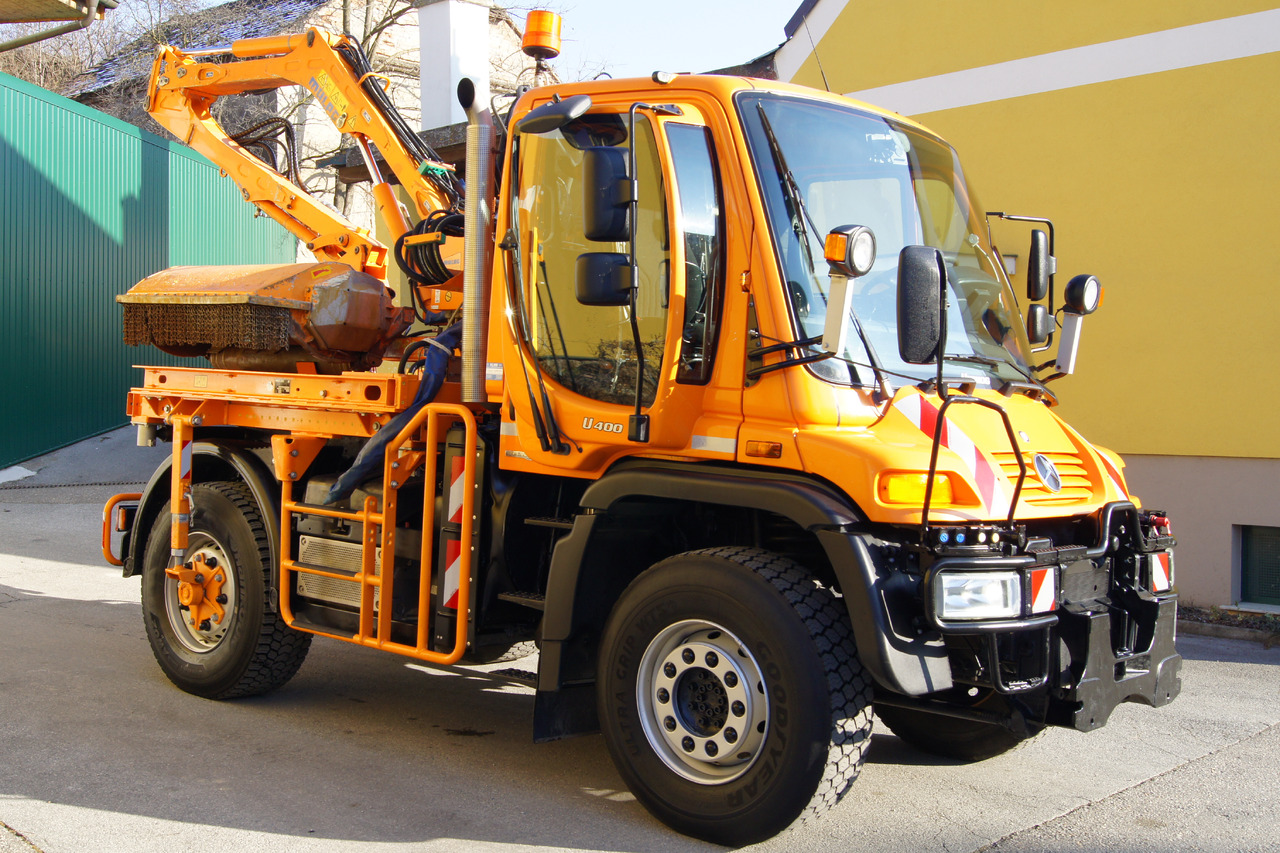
column 712, row 659
column 205, row 625
column 687, row 743
column 687, row 656
column 669, row 670
column 199, row 578
column 669, row 724
column 222, row 598
column 211, row 562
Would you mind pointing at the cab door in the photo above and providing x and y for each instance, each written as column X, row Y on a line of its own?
column 571, row 369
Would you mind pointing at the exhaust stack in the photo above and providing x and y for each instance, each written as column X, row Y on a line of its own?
column 476, row 242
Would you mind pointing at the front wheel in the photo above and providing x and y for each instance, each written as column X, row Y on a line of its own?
column 730, row 694
column 208, row 621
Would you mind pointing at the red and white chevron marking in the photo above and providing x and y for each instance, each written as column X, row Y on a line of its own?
column 457, row 483
column 1113, row 475
column 453, row 547
column 984, row 473
column 1044, row 590
column 452, row 572
column 1161, row 571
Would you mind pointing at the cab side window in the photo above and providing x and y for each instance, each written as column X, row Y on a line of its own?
column 590, row 349
column 700, row 224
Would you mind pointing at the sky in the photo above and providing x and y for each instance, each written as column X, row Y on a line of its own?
column 636, row 39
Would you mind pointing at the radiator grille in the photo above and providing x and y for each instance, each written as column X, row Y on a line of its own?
column 1075, row 479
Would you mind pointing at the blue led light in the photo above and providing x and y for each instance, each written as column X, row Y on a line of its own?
column 959, row 538
column 944, row 537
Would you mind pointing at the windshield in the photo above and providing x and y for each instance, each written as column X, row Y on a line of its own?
column 822, row 165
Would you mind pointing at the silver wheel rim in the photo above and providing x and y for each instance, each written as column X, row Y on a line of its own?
column 703, row 702
column 202, row 546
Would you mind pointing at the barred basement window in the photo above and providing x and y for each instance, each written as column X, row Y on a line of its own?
column 1260, row 564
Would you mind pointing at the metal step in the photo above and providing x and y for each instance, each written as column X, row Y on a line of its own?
column 525, row 599
column 557, row 523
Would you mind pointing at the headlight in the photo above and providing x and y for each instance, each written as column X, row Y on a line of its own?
column 850, row 250
column 977, row 595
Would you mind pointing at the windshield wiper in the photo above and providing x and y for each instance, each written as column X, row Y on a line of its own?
column 987, row 361
column 799, row 216
column 795, row 201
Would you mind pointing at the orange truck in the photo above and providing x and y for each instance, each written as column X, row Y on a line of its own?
column 713, row 390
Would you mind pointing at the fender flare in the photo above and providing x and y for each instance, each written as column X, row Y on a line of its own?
column 211, row 460
column 903, row 662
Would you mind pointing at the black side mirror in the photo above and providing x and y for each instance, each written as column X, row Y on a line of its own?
column 604, row 278
column 607, row 195
column 554, row 115
column 1039, row 266
column 1039, row 325
column 922, row 274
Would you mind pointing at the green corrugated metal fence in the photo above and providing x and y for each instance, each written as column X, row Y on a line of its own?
column 89, row 206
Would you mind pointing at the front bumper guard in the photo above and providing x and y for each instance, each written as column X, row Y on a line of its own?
column 1102, row 678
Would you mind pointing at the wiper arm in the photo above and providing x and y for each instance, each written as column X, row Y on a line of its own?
column 990, row 362
column 799, row 216
column 795, row 201
column 789, row 359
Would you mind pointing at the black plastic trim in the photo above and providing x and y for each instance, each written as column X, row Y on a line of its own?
column 901, row 660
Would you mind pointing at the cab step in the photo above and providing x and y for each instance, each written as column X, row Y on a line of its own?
column 546, row 521
column 525, row 599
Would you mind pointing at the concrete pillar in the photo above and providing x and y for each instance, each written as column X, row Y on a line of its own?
column 454, row 35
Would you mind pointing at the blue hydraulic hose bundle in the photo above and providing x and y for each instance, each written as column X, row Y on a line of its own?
column 370, row 459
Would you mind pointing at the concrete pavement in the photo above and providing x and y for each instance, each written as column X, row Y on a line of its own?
column 366, row 751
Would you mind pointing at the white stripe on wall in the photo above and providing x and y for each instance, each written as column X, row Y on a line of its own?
column 1183, row 47
column 797, row 49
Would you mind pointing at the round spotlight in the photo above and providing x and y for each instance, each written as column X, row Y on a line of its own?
column 1083, row 294
column 850, row 250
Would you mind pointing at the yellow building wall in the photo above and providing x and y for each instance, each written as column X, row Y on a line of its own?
column 1165, row 185
column 875, row 44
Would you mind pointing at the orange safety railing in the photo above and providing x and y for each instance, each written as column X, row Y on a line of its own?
column 379, row 527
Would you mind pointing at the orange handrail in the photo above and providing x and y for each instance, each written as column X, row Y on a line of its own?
column 106, row 525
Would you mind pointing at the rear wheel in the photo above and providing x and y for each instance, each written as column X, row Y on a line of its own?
column 951, row 737
column 209, row 625
column 731, row 696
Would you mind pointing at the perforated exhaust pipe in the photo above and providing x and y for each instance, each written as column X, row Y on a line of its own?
column 476, row 242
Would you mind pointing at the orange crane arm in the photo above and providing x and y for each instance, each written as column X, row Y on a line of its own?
column 185, row 85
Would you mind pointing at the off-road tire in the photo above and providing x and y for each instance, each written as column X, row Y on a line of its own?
column 501, row 653
column 256, row 651
column 812, row 700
